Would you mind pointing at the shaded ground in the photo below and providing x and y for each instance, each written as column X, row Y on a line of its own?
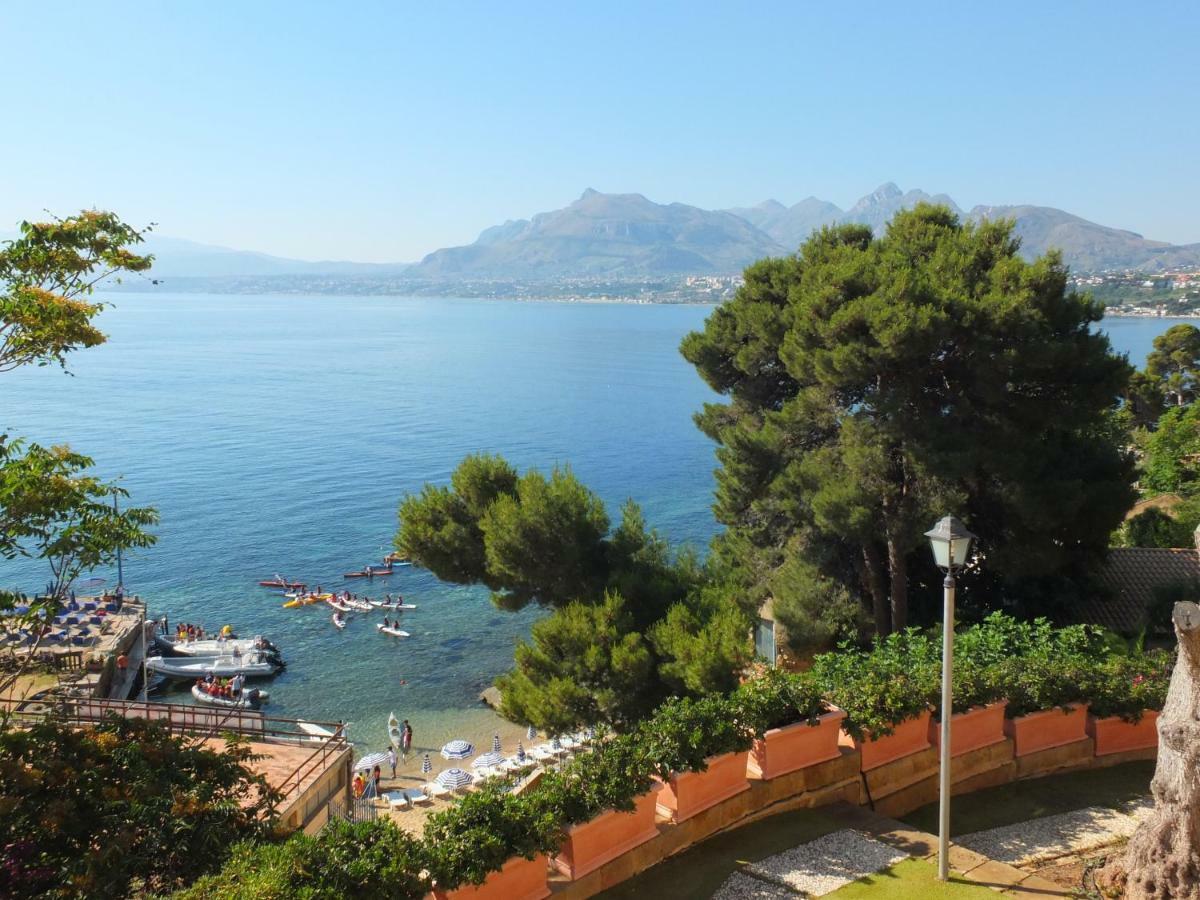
column 1021, row 801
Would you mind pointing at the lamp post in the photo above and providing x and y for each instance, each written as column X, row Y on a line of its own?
column 951, row 543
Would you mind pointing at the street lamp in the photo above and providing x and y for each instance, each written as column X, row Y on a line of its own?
column 951, row 543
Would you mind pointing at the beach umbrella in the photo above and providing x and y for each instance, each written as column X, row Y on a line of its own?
column 496, row 742
column 426, row 765
column 531, row 734
column 458, row 750
column 454, row 778
column 520, row 751
column 491, row 758
column 371, row 760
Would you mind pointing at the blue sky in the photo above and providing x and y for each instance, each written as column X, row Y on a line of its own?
column 383, row 131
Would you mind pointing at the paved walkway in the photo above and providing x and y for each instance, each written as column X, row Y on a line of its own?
column 870, row 843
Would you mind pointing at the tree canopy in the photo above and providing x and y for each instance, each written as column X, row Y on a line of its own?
column 1174, row 363
column 631, row 623
column 876, row 383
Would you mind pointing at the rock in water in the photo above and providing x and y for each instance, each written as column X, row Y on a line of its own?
column 491, row 696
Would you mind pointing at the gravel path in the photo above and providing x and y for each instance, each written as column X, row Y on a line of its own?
column 826, row 864
column 742, row 887
column 1039, row 840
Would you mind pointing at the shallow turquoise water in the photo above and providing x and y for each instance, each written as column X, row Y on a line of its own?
column 277, row 434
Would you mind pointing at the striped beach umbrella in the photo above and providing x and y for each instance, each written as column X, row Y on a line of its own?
column 496, row 742
column 454, row 778
column 370, row 761
column 458, row 750
column 487, row 760
column 531, row 734
column 426, row 765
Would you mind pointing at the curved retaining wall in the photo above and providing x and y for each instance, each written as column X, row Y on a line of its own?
column 893, row 789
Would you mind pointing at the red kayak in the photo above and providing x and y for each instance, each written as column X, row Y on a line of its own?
column 280, row 583
column 369, row 572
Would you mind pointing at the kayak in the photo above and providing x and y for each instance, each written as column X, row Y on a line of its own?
column 360, row 605
column 392, row 630
column 394, row 733
column 338, row 622
column 250, row 698
column 338, row 605
column 281, row 583
column 306, row 600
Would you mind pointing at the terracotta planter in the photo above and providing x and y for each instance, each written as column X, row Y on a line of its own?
column 520, row 879
column 795, row 747
column 1114, row 735
column 693, row 792
column 910, row 736
column 1047, row 728
column 592, row 844
column 979, row 726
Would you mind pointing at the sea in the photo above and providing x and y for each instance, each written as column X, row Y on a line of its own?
column 277, row 434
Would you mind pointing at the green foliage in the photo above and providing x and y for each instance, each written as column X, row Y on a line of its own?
column 1144, row 400
column 816, row 611
column 1172, row 461
column 684, row 734
column 1175, row 363
column 631, row 624
column 895, row 680
column 774, row 698
column 1045, row 666
column 46, row 273
column 367, row 860
column 92, row 812
column 875, row 383
column 547, row 541
column 1127, row 686
column 609, row 778
column 1153, row 527
column 484, row 830
column 583, row 665
column 1158, row 615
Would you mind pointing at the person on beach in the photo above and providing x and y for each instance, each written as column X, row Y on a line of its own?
column 377, row 777
column 391, row 758
column 359, row 785
column 405, row 738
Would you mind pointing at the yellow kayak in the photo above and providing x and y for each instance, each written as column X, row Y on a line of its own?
column 305, row 601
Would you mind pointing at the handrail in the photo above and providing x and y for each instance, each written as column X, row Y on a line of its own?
column 301, row 771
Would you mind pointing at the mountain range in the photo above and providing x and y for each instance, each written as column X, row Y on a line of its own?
column 629, row 236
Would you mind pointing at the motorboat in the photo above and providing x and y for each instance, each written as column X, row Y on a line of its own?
column 248, row 698
column 395, row 735
column 249, row 665
column 218, row 646
column 338, row 621
column 392, row 630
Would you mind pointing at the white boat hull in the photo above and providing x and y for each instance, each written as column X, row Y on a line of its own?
column 394, row 632
column 249, row 666
column 209, row 647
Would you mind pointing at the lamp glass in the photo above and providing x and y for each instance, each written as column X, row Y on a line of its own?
column 941, row 552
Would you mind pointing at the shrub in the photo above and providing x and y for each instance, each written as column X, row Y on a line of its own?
column 610, row 777
column 1127, row 686
column 485, row 829
column 894, row 681
column 92, row 812
column 1045, row 667
column 774, row 698
column 684, row 734
column 367, row 861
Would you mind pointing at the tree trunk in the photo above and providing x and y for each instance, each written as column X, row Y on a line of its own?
column 879, row 599
column 898, row 569
column 1162, row 859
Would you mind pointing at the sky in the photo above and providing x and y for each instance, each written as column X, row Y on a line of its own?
column 381, row 132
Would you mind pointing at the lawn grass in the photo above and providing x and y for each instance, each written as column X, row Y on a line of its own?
column 1020, row 801
column 912, row 879
column 700, row 871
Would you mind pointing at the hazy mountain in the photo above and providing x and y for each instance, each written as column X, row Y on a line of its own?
column 877, row 208
column 1085, row 245
column 607, row 234
column 175, row 258
column 790, row 225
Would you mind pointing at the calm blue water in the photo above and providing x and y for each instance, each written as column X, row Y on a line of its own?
column 277, row 434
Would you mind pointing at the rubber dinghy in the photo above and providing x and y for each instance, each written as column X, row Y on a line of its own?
column 218, row 646
column 249, row 665
column 250, row 698
column 395, row 735
column 392, row 630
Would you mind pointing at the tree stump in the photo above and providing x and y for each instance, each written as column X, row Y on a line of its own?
column 1162, row 859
